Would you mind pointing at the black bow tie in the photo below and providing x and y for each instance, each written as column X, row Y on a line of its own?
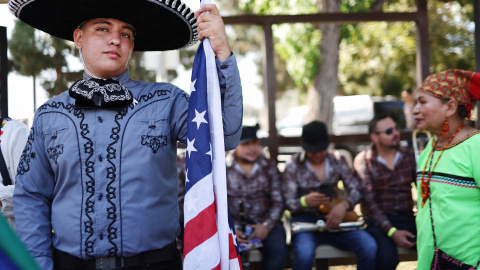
column 99, row 93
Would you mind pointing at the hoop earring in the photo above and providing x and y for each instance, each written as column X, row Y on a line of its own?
column 445, row 129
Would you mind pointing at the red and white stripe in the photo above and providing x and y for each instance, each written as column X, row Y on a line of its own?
column 201, row 227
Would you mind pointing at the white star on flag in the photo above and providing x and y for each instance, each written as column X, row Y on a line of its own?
column 199, row 118
column 192, row 87
column 190, row 147
column 210, row 152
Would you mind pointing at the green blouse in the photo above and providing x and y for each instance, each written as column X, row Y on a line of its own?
column 455, row 195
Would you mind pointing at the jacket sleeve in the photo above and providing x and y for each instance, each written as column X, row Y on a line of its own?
column 290, row 189
column 277, row 206
column 33, row 199
column 351, row 182
column 13, row 142
column 232, row 101
column 376, row 214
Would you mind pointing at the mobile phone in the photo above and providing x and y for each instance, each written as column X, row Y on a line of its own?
column 326, row 188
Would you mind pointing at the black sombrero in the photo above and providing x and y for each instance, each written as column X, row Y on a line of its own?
column 160, row 24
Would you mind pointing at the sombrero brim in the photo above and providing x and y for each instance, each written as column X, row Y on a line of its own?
column 160, row 24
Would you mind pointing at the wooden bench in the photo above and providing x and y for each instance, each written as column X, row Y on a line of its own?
column 326, row 255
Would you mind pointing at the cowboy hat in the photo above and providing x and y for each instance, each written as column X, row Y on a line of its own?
column 160, row 25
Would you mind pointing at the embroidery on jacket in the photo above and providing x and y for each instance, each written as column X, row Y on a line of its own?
column 154, row 142
column 112, row 169
column 55, row 152
column 186, row 96
column 89, row 169
column 111, row 186
column 27, row 154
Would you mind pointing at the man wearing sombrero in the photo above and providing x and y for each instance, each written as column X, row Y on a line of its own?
column 97, row 180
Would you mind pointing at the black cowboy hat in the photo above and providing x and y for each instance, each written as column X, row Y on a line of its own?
column 160, row 24
column 249, row 133
column 315, row 137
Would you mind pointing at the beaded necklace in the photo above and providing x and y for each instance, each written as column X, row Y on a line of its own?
column 425, row 186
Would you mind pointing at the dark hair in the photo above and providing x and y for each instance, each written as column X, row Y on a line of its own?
column 372, row 125
column 462, row 112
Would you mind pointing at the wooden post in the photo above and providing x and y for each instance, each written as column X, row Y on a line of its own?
column 423, row 45
column 3, row 72
column 270, row 86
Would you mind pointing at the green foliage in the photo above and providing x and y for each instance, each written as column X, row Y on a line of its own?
column 392, row 86
column 297, row 49
column 58, row 49
column 33, row 52
column 27, row 50
column 298, row 44
column 354, row 6
column 295, row 44
column 452, row 41
column 266, row 7
column 376, row 58
column 136, row 69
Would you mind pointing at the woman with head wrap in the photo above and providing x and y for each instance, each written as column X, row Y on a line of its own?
column 448, row 175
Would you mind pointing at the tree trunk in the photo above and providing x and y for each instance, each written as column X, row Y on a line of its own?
column 324, row 87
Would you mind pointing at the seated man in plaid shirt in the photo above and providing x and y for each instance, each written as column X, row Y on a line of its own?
column 255, row 199
column 388, row 171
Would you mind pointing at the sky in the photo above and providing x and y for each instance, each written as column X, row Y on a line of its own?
column 20, row 88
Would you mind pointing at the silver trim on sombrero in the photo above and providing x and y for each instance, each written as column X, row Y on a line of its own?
column 16, row 6
column 178, row 11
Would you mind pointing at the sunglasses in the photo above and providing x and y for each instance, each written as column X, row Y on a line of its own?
column 388, row 131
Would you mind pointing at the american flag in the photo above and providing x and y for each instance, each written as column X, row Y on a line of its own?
column 209, row 239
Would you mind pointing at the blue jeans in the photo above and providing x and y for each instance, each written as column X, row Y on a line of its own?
column 357, row 241
column 387, row 254
column 275, row 249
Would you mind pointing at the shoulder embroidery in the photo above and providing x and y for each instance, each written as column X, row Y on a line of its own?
column 27, row 155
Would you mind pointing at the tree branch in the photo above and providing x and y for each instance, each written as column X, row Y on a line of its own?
column 377, row 5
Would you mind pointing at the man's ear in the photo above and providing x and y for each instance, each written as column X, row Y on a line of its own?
column 78, row 38
column 373, row 137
